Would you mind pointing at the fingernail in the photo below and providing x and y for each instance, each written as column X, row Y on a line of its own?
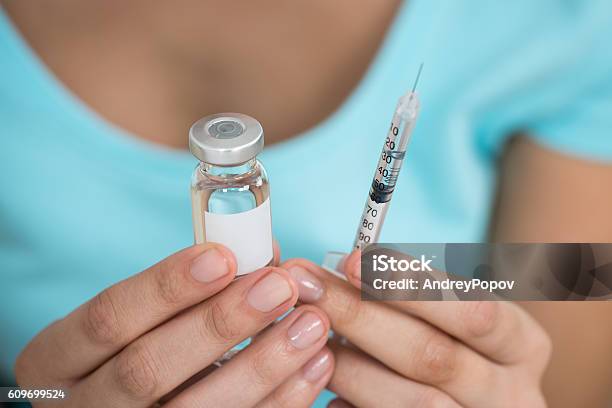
column 317, row 366
column 209, row 266
column 310, row 287
column 269, row 292
column 306, row 330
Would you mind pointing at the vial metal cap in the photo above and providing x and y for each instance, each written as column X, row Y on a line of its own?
column 226, row 139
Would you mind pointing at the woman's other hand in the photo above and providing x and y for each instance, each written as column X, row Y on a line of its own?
column 429, row 354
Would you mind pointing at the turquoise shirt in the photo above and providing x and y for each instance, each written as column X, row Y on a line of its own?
column 84, row 204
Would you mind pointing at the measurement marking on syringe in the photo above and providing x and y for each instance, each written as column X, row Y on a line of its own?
column 388, row 168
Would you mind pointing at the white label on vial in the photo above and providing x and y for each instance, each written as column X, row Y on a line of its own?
column 248, row 234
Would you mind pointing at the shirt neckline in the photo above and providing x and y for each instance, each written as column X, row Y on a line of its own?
column 113, row 141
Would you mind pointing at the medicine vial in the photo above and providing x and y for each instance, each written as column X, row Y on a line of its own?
column 230, row 192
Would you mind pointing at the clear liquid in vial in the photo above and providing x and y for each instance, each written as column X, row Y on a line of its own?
column 226, row 190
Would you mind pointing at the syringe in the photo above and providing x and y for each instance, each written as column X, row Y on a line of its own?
column 388, row 168
column 385, row 177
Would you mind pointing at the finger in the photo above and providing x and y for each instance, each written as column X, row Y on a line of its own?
column 80, row 342
column 500, row 330
column 162, row 359
column 364, row 382
column 432, row 358
column 257, row 370
column 303, row 387
column 277, row 254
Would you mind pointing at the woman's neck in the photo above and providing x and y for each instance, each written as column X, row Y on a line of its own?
column 153, row 68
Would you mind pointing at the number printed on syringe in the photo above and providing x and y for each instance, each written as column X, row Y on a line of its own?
column 387, row 169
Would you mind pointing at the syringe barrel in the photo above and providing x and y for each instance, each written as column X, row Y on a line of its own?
column 387, row 170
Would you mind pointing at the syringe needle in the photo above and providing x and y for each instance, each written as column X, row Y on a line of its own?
column 416, row 81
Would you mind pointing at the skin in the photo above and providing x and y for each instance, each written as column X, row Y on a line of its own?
column 124, row 350
column 447, row 354
column 169, row 59
column 568, row 190
column 166, row 61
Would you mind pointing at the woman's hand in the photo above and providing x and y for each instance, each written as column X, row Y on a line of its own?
column 142, row 339
column 426, row 354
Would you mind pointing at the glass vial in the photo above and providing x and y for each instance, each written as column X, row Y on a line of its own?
column 230, row 192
